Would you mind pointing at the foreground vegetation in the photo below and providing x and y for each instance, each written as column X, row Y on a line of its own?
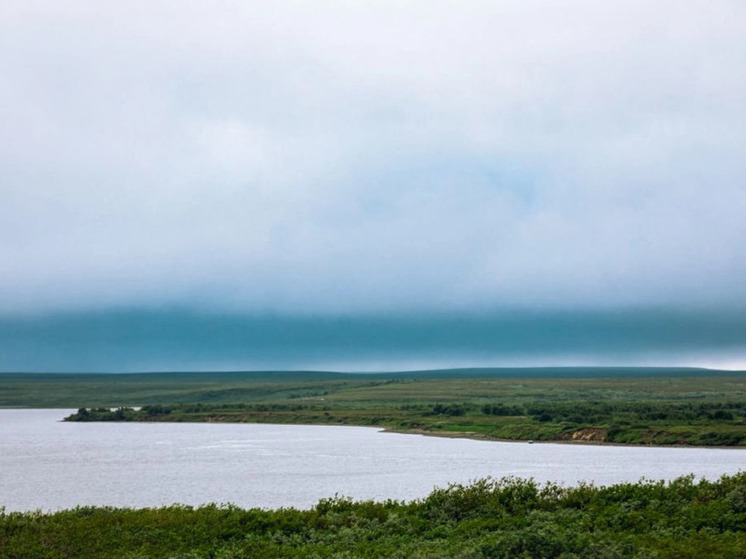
column 506, row 518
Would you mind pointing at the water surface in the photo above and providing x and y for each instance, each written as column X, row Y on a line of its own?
column 49, row 465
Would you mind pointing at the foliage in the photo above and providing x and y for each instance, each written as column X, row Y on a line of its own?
column 721, row 423
column 489, row 518
column 629, row 406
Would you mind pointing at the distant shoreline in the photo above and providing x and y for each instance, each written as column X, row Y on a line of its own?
column 582, row 406
column 487, row 438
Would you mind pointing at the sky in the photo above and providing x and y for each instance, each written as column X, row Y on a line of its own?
column 483, row 178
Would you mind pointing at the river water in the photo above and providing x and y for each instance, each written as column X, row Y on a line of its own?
column 47, row 464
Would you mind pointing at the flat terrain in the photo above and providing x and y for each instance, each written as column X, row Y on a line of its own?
column 628, row 406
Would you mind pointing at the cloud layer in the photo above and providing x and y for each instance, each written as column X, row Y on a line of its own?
column 180, row 340
column 372, row 157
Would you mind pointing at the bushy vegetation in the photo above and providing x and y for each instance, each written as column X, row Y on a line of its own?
column 658, row 421
column 503, row 518
column 595, row 412
column 630, row 406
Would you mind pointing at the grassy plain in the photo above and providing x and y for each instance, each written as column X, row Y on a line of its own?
column 639, row 406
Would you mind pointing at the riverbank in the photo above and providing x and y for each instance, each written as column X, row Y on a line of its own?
column 481, row 437
column 658, row 423
column 668, row 407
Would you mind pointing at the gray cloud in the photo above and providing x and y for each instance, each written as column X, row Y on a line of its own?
column 371, row 157
column 148, row 340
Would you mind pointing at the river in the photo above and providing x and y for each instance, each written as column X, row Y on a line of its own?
column 50, row 465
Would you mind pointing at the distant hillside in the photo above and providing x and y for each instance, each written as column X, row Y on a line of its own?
column 134, row 389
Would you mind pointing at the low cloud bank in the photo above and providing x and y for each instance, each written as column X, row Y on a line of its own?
column 147, row 340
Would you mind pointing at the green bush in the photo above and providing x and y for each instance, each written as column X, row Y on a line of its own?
column 488, row 518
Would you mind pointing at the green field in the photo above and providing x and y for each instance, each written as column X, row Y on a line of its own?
column 633, row 406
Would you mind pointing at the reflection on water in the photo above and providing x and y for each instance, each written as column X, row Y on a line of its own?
column 51, row 465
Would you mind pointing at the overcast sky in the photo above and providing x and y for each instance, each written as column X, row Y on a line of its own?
column 358, row 158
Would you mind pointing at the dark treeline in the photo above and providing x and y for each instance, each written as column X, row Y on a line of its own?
column 711, row 423
column 505, row 518
column 593, row 412
column 575, row 412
